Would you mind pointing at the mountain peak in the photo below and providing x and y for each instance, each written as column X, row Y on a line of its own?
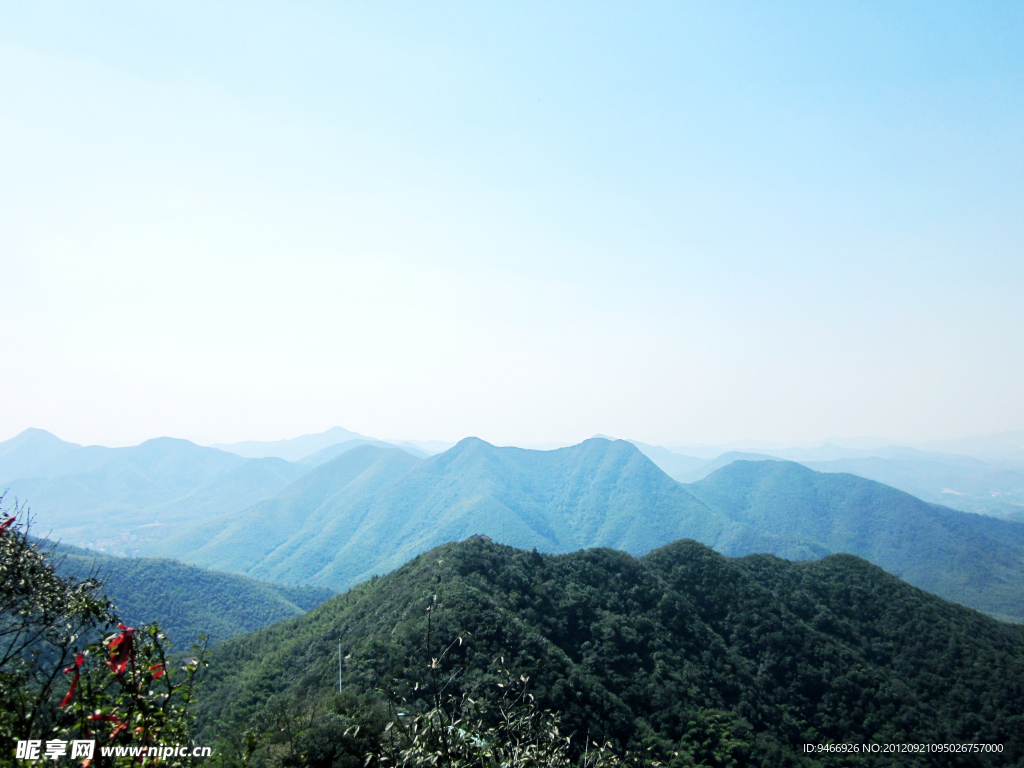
column 25, row 452
column 33, row 436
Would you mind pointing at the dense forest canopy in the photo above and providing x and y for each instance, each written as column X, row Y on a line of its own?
column 754, row 656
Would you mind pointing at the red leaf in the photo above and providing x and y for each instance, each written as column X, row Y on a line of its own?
column 121, row 650
column 74, row 683
column 6, row 523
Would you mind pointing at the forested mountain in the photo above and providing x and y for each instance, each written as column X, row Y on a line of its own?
column 239, row 488
column 683, row 652
column 372, row 509
column 972, row 559
column 992, row 486
column 114, row 499
column 185, row 600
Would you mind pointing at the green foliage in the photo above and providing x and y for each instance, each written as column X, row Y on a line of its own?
column 56, row 684
column 188, row 601
column 683, row 655
column 436, row 728
column 42, row 619
column 510, row 732
column 148, row 704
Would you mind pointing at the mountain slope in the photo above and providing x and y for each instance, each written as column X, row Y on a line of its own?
column 959, row 482
column 91, row 480
column 185, row 600
column 675, row 465
column 107, row 498
column 973, row 559
column 370, row 510
column 241, row 487
column 676, row 649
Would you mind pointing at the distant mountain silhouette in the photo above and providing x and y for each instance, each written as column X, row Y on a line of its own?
column 332, row 451
column 676, row 465
column 22, row 454
column 960, row 482
column 93, row 494
column 294, row 449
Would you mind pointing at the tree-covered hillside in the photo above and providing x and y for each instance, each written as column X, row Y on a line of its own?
column 187, row 601
column 372, row 509
column 972, row 559
column 682, row 652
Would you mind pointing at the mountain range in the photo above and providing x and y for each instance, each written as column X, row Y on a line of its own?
column 685, row 655
column 372, row 509
column 109, row 498
column 363, row 507
column 993, row 486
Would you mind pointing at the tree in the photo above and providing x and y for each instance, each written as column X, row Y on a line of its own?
column 69, row 671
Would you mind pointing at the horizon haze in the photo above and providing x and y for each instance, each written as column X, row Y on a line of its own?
column 528, row 223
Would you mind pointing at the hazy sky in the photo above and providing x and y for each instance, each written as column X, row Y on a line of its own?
column 526, row 222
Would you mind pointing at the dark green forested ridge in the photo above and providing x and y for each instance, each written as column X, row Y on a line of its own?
column 187, row 601
column 683, row 651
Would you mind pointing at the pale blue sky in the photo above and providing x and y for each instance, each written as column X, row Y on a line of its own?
column 527, row 222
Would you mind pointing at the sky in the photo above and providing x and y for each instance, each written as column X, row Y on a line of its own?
column 528, row 222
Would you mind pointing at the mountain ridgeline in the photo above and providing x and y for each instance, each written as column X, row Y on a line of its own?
column 372, row 509
column 684, row 654
column 112, row 498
